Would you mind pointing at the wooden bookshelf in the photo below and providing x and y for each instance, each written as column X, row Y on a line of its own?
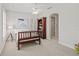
column 42, row 27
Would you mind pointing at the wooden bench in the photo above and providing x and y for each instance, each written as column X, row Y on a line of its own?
column 27, row 36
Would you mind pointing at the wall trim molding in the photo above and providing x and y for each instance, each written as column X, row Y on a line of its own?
column 67, row 45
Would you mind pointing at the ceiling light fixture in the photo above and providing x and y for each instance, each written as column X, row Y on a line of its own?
column 35, row 10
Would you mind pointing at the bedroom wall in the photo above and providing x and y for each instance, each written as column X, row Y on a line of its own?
column 68, row 23
column 13, row 16
column 1, row 29
column 4, row 24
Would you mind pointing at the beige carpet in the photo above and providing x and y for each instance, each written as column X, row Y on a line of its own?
column 47, row 48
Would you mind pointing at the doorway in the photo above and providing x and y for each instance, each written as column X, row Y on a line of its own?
column 54, row 25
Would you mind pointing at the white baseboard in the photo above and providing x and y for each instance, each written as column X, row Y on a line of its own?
column 60, row 42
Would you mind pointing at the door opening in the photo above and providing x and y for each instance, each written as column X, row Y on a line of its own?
column 54, row 25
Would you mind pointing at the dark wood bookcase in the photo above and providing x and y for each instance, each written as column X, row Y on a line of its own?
column 42, row 27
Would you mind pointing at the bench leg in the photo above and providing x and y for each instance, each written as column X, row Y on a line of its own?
column 18, row 46
column 39, row 41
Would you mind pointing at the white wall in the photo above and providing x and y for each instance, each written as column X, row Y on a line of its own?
column 4, row 24
column 13, row 16
column 1, row 29
column 68, row 23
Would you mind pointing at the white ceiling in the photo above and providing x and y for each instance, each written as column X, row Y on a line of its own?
column 26, row 7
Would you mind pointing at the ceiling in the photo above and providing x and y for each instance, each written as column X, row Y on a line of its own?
column 27, row 7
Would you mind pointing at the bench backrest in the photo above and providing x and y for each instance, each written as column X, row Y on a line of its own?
column 28, row 35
